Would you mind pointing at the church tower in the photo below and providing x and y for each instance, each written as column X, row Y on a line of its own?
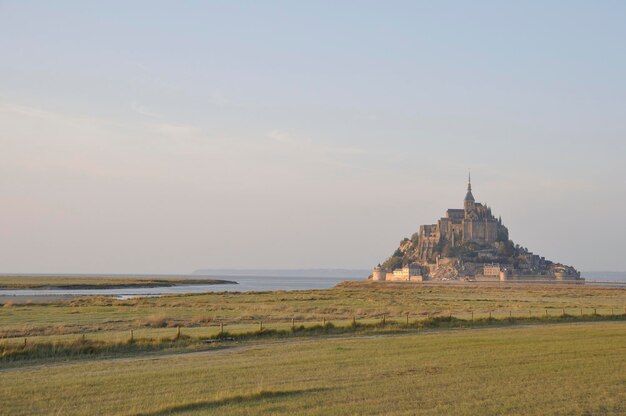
column 468, row 203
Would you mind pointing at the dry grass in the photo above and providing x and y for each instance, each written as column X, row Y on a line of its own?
column 362, row 300
column 546, row 369
column 157, row 321
column 555, row 369
column 55, row 347
column 200, row 321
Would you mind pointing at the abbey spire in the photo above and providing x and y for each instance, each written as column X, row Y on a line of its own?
column 469, row 196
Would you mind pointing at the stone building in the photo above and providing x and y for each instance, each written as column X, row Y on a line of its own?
column 410, row 273
column 474, row 223
column 492, row 269
column 379, row 274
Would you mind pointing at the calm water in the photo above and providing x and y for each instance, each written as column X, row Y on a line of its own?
column 605, row 276
column 245, row 284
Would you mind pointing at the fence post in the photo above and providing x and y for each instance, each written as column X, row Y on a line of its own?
column 546, row 311
column 407, row 318
column 510, row 314
column 594, row 311
column 177, row 332
column 83, row 338
column 383, row 319
column 293, row 324
column 25, row 342
column 260, row 326
column 353, row 320
column 132, row 338
column 490, row 315
column 324, row 321
column 581, row 311
column 472, row 315
column 221, row 328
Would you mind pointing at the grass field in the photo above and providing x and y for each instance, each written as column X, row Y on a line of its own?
column 42, row 349
column 100, row 282
column 564, row 369
column 97, row 326
column 359, row 348
column 365, row 301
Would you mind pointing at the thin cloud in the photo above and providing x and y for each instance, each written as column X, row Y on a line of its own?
column 142, row 110
column 176, row 130
column 81, row 167
column 54, row 116
column 161, row 127
column 287, row 139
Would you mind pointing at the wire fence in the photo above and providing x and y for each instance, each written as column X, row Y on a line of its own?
column 217, row 329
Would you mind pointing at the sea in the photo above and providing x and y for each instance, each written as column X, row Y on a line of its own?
column 247, row 282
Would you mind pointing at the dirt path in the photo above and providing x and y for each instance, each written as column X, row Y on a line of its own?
column 233, row 348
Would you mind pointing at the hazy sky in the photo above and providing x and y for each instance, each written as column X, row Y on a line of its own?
column 162, row 137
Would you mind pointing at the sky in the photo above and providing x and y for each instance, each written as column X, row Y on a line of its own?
column 164, row 137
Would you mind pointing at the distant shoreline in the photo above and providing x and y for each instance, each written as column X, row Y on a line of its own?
column 293, row 273
column 58, row 282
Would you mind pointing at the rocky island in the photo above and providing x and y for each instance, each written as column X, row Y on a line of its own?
column 468, row 243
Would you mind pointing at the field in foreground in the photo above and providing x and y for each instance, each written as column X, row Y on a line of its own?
column 100, row 326
column 565, row 369
column 98, row 315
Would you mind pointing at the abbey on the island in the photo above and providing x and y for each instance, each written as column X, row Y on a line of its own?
column 473, row 223
column 468, row 243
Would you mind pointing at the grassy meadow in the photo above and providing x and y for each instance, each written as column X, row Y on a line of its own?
column 91, row 327
column 558, row 369
column 367, row 301
column 359, row 348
